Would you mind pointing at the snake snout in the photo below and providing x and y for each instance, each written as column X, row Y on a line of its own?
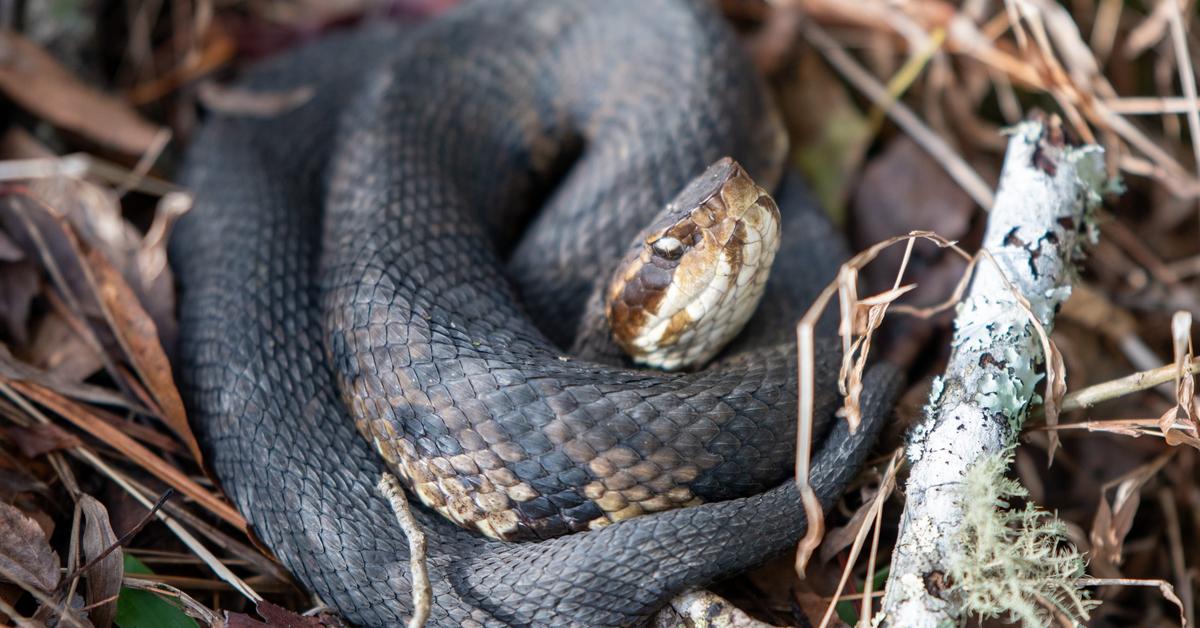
column 695, row 276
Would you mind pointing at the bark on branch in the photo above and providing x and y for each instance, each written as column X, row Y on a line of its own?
column 1046, row 193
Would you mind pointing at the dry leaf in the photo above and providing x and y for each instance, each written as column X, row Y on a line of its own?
column 41, row 438
column 95, row 283
column 19, row 285
column 13, row 482
column 1180, row 424
column 1113, row 522
column 840, row 538
column 25, row 554
column 275, row 616
column 36, row 81
column 13, row 369
column 1109, row 530
column 905, row 189
column 136, row 452
column 216, row 48
column 105, row 576
column 139, row 338
column 96, row 215
column 58, row 348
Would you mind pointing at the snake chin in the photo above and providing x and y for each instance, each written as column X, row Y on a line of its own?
column 694, row 278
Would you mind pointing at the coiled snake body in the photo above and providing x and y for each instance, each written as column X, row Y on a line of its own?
column 408, row 252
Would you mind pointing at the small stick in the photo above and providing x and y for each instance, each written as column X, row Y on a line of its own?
column 422, row 593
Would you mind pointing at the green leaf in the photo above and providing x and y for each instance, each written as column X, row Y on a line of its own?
column 143, row 609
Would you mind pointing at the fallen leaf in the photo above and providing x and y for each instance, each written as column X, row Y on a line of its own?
column 1113, row 522
column 58, row 348
column 139, row 338
column 14, row 369
column 137, row 453
column 25, row 554
column 904, row 189
column 842, row 537
column 21, row 284
column 143, row 609
column 41, row 438
column 13, row 482
column 275, row 616
column 95, row 213
column 216, row 48
column 94, row 283
column 9, row 250
column 105, row 576
column 35, row 80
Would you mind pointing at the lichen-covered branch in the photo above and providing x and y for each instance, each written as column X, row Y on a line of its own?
column 1042, row 212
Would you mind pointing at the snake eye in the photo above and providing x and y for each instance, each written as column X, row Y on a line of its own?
column 667, row 247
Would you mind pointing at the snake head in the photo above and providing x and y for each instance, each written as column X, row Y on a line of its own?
column 695, row 276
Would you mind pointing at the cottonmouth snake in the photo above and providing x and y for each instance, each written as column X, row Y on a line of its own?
column 408, row 252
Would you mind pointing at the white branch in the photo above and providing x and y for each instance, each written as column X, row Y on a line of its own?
column 1042, row 207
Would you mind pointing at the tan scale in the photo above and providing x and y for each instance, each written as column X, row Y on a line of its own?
column 689, row 286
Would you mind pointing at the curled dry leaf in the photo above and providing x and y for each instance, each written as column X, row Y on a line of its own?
column 25, row 555
column 36, row 81
column 105, row 576
column 1181, row 424
column 21, row 284
column 1114, row 520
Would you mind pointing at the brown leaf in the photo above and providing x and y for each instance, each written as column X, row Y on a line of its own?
column 41, row 438
column 59, row 348
column 841, row 537
column 215, row 48
column 36, row 81
column 25, row 554
column 16, row 481
column 12, row 368
column 275, row 616
column 139, row 337
column 135, row 451
column 1109, row 531
column 95, row 213
column 105, row 576
column 904, row 189
column 1113, row 522
column 21, row 284
column 92, row 279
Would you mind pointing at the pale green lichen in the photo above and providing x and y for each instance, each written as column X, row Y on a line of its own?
column 1015, row 562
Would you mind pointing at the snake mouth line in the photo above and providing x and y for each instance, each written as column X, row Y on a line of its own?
column 696, row 275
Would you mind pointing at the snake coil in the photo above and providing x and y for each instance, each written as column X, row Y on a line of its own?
column 405, row 254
